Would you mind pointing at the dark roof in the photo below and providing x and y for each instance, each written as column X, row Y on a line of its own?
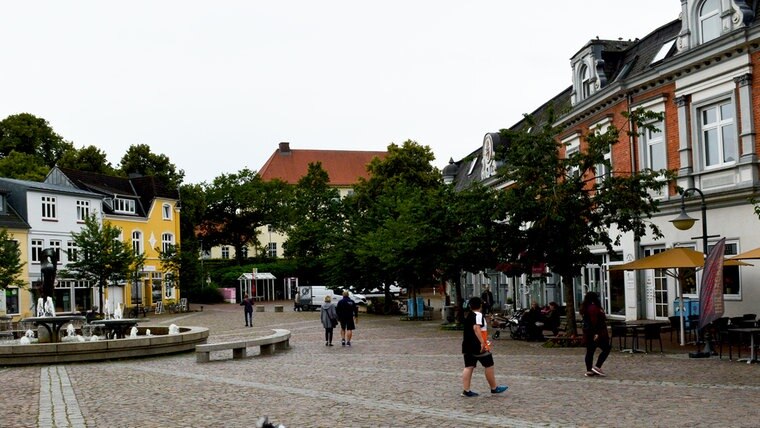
column 144, row 188
column 9, row 218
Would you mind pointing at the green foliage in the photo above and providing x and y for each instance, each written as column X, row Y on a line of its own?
column 11, row 265
column 141, row 160
column 237, row 204
column 31, row 135
column 22, row 166
column 560, row 206
column 90, row 159
column 314, row 218
column 101, row 256
column 208, row 294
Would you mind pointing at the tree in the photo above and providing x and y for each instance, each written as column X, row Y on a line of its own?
column 559, row 206
column 101, row 256
column 90, row 159
column 26, row 133
column 236, row 205
column 392, row 228
column 141, row 160
column 314, row 216
column 11, row 265
column 22, row 166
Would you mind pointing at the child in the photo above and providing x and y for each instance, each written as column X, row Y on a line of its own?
column 475, row 349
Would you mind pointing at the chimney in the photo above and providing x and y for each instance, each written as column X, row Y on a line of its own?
column 284, row 148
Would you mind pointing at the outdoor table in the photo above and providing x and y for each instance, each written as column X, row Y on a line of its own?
column 53, row 324
column 117, row 328
column 634, row 326
column 752, row 331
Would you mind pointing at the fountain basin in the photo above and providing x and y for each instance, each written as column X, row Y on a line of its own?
column 159, row 343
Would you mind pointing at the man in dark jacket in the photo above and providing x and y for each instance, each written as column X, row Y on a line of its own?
column 348, row 314
column 248, row 310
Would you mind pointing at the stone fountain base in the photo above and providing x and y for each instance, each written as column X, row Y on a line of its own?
column 159, row 343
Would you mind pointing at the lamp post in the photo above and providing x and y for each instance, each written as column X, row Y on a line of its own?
column 685, row 222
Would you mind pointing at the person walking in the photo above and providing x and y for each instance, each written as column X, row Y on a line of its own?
column 486, row 300
column 475, row 349
column 348, row 315
column 248, row 310
column 329, row 318
column 594, row 333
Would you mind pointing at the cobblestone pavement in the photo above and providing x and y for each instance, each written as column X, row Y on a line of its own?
column 397, row 373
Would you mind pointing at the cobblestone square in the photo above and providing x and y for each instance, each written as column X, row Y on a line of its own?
column 396, row 374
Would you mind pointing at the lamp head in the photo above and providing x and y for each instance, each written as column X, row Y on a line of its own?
column 683, row 221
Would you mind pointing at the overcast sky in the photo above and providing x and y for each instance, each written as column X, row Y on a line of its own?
column 216, row 86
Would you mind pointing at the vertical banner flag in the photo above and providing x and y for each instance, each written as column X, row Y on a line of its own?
column 711, row 292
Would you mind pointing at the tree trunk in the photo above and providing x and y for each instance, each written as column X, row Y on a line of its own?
column 570, row 302
column 459, row 300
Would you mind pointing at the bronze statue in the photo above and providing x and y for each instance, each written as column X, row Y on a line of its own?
column 48, row 267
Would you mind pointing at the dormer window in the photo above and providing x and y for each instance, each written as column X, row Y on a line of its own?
column 709, row 21
column 585, row 82
column 124, row 206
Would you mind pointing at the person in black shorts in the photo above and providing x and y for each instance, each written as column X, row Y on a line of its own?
column 475, row 349
column 348, row 316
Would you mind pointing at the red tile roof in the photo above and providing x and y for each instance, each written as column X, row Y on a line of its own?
column 343, row 166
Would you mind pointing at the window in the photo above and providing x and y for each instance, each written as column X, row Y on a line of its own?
column 125, row 206
column 137, row 246
column 663, row 52
column 56, row 246
column 83, row 210
column 48, row 208
column 585, row 82
column 37, row 250
column 654, row 142
column 71, row 250
column 731, row 283
column 719, row 141
column 166, row 210
column 225, row 252
column 709, row 20
column 573, row 172
column 2, row 204
column 244, row 252
column 272, row 250
column 167, row 242
column 11, row 300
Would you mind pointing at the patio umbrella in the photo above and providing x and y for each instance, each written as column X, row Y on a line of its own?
column 674, row 258
column 751, row 254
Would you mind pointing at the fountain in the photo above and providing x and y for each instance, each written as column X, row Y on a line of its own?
column 50, row 348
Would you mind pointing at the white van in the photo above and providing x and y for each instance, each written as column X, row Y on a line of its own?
column 311, row 297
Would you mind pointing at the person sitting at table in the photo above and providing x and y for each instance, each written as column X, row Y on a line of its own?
column 534, row 322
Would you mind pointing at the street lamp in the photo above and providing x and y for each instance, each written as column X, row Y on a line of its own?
column 685, row 222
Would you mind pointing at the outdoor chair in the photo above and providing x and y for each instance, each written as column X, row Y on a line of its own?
column 620, row 331
column 651, row 333
column 675, row 326
column 692, row 327
column 728, row 337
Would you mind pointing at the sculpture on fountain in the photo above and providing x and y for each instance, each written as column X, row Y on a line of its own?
column 118, row 312
column 48, row 268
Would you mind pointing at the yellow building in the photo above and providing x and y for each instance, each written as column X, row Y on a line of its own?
column 15, row 301
column 148, row 214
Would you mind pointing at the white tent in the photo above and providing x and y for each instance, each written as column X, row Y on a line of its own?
column 262, row 288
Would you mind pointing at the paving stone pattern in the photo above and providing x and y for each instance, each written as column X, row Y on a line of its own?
column 397, row 373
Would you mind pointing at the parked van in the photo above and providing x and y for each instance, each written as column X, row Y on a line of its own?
column 311, row 297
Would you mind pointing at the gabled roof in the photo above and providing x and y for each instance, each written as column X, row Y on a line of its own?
column 344, row 167
column 143, row 189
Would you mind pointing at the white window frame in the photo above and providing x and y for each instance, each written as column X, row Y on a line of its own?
column 225, row 252
column 167, row 239
column 36, row 246
column 56, row 246
column 585, row 80
column 710, row 18
column 137, row 242
column 71, row 251
column 651, row 139
column 719, row 125
column 166, row 211
column 123, row 205
column 49, row 208
column 272, row 250
column 83, row 210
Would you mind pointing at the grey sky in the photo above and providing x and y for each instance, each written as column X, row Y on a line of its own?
column 216, row 85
